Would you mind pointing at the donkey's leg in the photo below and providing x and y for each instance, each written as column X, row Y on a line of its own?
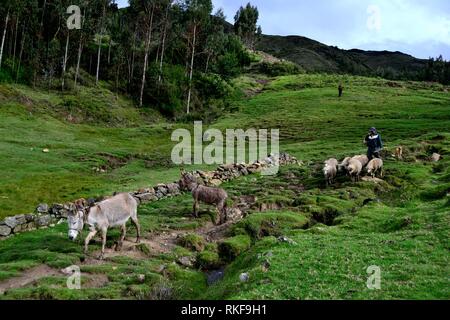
column 89, row 237
column 222, row 212
column 122, row 237
column 196, row 208
column 135, row 221
column 216, row 219
column 104, row 232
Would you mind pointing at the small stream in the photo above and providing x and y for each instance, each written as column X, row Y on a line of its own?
column 215, row 276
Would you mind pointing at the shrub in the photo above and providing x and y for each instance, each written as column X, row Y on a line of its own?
column 166, row 95
column 9, row 72
column 279, row 68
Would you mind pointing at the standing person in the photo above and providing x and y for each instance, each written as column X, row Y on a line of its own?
column 374, row 144
column 340, row 89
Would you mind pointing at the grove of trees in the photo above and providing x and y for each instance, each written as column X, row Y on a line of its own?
column 437, row 70
column 172, row 55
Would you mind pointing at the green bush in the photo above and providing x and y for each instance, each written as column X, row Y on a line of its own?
column 279, row 68
column 233, row 59
column 9, row 72
column 168, row 94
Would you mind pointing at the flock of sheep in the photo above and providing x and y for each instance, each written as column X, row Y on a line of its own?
column 353, row 167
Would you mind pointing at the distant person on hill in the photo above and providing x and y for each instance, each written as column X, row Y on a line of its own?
column 374, row 144
column 340, row 89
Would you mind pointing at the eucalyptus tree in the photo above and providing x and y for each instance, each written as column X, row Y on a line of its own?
column 101, row 37
column 6, row 5
column 83, row 34
column 198, row 13
column 216, row 38
column 245, row 25
column 165, row 28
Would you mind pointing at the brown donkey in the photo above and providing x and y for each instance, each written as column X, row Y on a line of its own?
column 212, row 196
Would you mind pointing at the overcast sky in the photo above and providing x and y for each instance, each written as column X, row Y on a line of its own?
column 417, row 27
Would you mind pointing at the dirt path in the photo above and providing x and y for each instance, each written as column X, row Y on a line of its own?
column 28, row 277
column 160, row 243
column 153, row 245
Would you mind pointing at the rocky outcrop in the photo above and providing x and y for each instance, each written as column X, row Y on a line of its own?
column 48, row 215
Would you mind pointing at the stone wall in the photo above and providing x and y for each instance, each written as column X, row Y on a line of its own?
column 48, row 216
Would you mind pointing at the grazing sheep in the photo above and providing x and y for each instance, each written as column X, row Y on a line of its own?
column 354, row 169
column 330, row 170
column 362, row 158
column 343, row 165
column 375, row 165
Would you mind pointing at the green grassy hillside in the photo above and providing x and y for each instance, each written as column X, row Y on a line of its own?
column 98, row 143
column 334, row 234
column 314, row 56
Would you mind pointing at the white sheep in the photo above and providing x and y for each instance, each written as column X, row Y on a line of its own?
column 375, row 165
column 343, row 165
column 354, row 169
column 330, row 170
column 362, row 158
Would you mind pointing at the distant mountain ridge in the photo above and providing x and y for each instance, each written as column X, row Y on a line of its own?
column 314, row 56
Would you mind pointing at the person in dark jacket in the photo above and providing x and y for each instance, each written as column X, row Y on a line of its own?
column 340, row 89
column 374, row 144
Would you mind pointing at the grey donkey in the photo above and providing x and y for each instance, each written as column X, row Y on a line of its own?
column 208, row 195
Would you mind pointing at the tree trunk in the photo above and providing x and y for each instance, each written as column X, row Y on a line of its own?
column 191, row 71
column 43, row 13
column 117, row 81
column 80, row 50
column 132, row 56
column 65, row 63
column 147, row 48
column 207, row 62
column 3, row 38
column 109, row 50
column 100, row 46
column 21, row 52
column 15, row 42
column 11, row 37
column 163, row 45
column 157, row 52
column 98, row 59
